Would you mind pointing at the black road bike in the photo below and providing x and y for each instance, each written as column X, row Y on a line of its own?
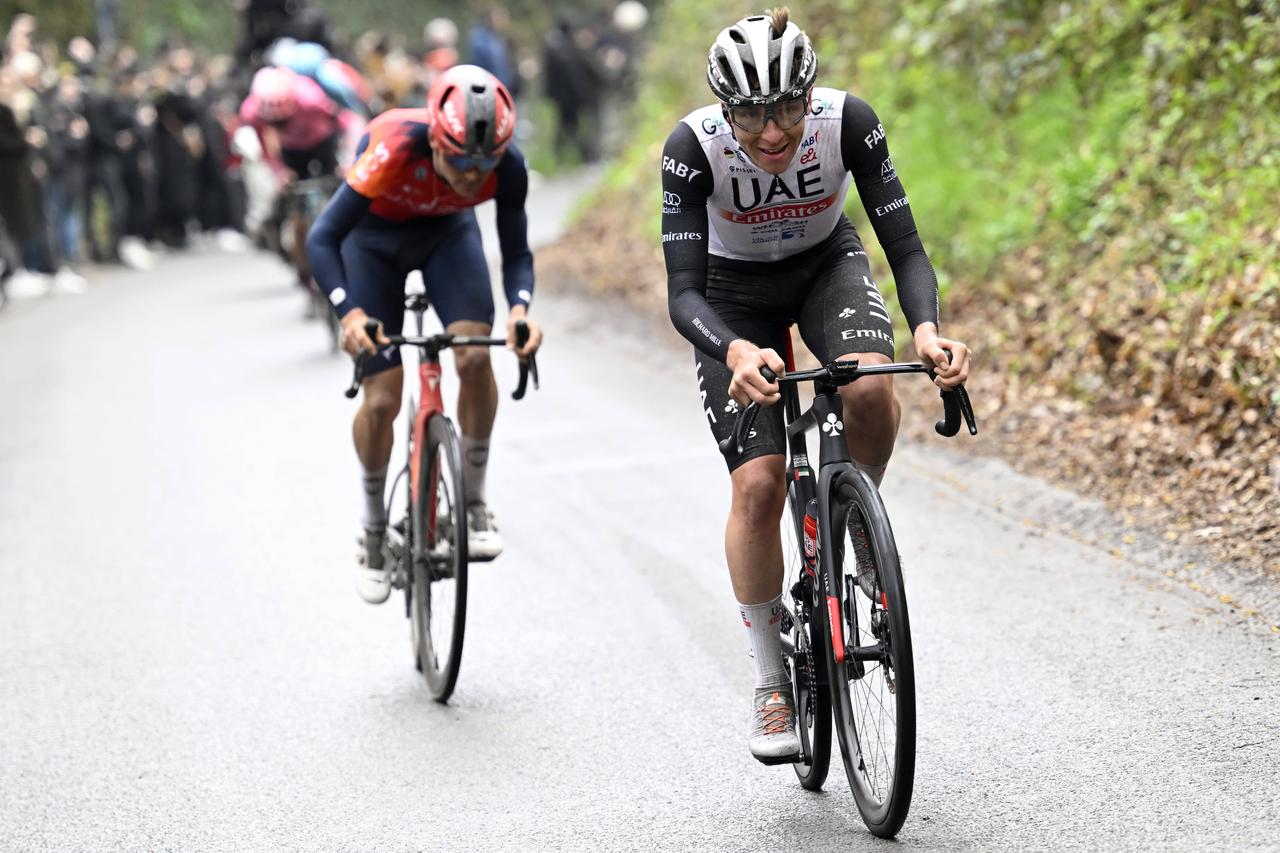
column 429, row 545
column 846, row 633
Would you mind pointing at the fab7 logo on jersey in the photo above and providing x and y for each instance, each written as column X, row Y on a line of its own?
column 680, row 170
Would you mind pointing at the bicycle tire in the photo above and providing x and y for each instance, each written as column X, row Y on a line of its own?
column 813, row 699
column 439, row 560
column 869, row 696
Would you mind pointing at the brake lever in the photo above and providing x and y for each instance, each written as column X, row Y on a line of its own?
column 528, row 365
column 357, row 377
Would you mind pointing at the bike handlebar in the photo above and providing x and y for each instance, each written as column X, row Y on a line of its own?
column 435, row 343
column 955, row 401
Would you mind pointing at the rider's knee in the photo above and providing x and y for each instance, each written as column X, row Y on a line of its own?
column 472, row 363
column 382, row 404
column 759, row 489
column 870, row 400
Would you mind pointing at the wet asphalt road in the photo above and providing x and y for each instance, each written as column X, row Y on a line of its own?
column 184, row 664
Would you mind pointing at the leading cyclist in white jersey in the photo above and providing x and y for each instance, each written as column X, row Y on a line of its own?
column 755, row 239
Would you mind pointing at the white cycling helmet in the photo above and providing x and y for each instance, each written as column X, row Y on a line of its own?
column 752, row 63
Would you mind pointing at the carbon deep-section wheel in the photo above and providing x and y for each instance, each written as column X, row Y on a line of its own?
column 439, row 570
column 873, row 687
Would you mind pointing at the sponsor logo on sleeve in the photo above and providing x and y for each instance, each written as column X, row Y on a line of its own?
column 874, row 137
column 670, row 202
column 891, row 206
column 674, row 236
column 707, row 333
column 680, row 170
column 710, row 125
column 887, row 172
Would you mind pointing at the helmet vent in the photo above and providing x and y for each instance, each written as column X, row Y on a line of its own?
column 737, row 36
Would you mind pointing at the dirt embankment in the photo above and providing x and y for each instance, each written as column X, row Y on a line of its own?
column 1101, row 393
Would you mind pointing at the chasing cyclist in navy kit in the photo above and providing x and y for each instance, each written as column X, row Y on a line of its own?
column 755, row 239
column 408, row 204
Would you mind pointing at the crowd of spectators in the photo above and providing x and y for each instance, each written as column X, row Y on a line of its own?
column 104, row 159
column 108, row 157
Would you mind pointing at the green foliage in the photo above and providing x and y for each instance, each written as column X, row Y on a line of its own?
column 1131, row 146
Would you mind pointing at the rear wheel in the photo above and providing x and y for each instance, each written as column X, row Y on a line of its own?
column 438, row 598
column 873, row 689
column 802, row 641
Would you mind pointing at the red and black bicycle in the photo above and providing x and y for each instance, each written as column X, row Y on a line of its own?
column 430, row 544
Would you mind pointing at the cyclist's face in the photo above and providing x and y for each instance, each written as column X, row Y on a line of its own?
column 465, row 182
column 772, row 147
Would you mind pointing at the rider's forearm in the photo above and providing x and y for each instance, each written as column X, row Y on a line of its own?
column 693, row 316
column 916, row 281
column 517, row 259
column 324, row 244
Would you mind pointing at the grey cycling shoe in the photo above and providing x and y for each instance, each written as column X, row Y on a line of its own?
column 772, row 729
column 373, row 567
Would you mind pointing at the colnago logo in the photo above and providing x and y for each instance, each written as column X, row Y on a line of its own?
column 680, row 170
column 874, row 137
column 681, row 235
column 780, row 212
column 833, row 426
column 892, row 206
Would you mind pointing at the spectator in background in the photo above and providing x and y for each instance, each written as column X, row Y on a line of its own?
column 68, row 130
column 488, row 48
column 21, row 36
column 16, row 205
column 441, row 36
column 573, row 85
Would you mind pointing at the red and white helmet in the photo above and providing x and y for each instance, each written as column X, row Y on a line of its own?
column 472, row 116
column 273, row 88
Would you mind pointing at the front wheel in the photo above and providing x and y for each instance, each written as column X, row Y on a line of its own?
column 438, row 597
column 873, row 687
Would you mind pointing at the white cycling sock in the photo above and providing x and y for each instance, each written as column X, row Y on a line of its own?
column 475, row 460
column 375, row 510
column 761, row 621
column 875, row 472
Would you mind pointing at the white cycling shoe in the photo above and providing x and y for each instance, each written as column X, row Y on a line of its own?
column 373, row 567
column 483, row 540
column 771, row 733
